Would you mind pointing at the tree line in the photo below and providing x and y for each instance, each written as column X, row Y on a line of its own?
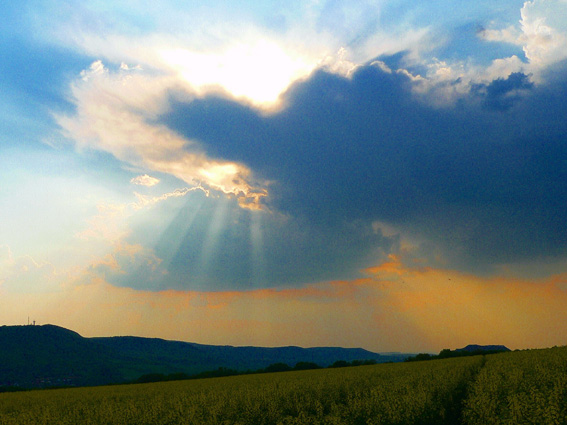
column 223, row 371
column 446, row 353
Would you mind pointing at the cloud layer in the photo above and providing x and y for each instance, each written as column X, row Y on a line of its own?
column 112, row 115
column 462, row 164
column 482, row 183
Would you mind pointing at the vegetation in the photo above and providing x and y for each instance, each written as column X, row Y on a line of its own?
column 382, row 394
column 526, row 387
column 223, row 371
column 470, row 350
column 509, row 388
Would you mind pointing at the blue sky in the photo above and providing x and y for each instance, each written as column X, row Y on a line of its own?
column 231, row 148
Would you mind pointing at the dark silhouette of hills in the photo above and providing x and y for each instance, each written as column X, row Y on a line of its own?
column 37, row 356
column 48, row 355
column 469, row 350
column 480, row 348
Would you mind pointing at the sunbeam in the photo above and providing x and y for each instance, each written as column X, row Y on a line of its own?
column 210, row 244
column 257, row 255
column 172, row 238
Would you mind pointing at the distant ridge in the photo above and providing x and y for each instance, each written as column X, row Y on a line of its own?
column 49, row 355
column 477, row 348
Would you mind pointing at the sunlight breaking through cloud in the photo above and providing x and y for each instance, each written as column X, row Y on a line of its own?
column 258, row 72
column 114, row 113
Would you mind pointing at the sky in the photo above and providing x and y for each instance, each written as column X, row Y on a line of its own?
column 383, row 174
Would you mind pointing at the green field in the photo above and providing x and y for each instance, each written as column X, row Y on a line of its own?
column 527, row 387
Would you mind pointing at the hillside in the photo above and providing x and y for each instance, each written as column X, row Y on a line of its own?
column 48, row 355
column 473, row 348
column 35, row 356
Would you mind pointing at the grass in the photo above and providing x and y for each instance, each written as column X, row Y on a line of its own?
column 472, row 390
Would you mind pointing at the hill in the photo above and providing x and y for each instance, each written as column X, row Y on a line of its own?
column 48, row 355
column 37, row 356
column 473, row 348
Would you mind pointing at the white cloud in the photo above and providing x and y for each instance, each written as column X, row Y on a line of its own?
column 544, row 28
column 145, row 180
column 542, row 33
column 113, row 113
column 143, row 201
column 242, row 52
column 502, row 68
column 508, row 35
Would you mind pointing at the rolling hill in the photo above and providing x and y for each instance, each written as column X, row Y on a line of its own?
column 48, row 355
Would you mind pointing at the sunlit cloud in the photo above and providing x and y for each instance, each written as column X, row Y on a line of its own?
column 113, row 110
column 144, row 201
column 542, row 34
column 145, row 180
column 259, row 72
column 544, row 31
column 240, row 54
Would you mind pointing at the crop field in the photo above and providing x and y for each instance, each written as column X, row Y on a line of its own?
column 528, row 387
column 511, row 388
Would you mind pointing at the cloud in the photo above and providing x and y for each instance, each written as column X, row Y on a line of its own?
column 542, row 33
column 253, row 52
column 465, row 179
column 446, row 152
column 544, row 28
column 507, row 35
column 208, row 243
column 113, row 113
column 128, row 262
column 259, row 71
column 502, row 94
column 145, row 180
column 143, row 201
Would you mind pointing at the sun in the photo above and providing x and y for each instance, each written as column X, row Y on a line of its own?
column 258, row 72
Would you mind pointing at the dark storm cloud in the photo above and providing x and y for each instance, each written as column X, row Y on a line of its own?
column 503, row 93
column 484, row 185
